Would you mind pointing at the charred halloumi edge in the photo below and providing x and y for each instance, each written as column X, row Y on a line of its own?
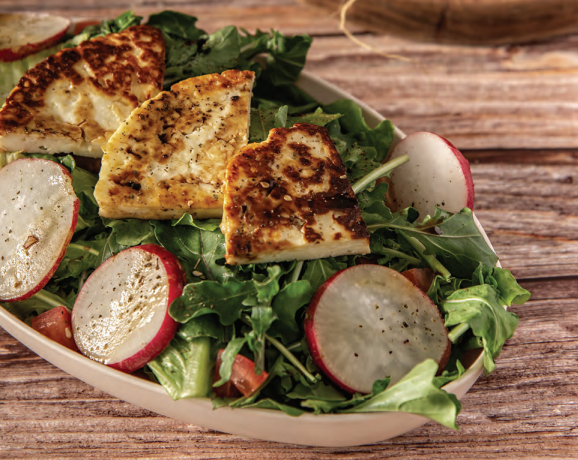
column 289, row 198
column 170, row 155
column 74, row 100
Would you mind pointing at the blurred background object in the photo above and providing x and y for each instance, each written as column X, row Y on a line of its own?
column 474, row 22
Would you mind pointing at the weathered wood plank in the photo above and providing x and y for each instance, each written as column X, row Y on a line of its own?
column 287, row 16
column 532, row 396
column 482, row 97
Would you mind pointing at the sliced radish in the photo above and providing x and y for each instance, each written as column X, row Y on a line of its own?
column 121, row 316
column 25, row 34
column 369, row 322
column 436, row 174
column 38, row 215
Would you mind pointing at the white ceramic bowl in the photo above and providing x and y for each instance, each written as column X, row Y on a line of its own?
column 334, row 430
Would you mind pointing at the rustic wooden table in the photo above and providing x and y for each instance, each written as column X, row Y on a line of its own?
column 513, row 110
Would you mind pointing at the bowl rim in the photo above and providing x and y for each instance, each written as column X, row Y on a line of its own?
column 329, row 430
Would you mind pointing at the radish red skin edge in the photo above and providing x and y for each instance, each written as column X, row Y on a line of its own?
column 311, row 337
column 76, row 207
column 175, row 279
column 48, row 31
column 20, row 52
column 429, row 323
column 465, row 164
column 437, row 174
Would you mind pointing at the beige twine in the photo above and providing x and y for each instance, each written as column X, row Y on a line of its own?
column 354, row 39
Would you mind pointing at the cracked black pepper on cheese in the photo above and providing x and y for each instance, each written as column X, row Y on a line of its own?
column 73, row 101
column 170, row 155
column 289, row 198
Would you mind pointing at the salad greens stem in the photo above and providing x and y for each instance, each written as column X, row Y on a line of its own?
column 291, row 357
column 48, row 298
column 401, row 255
column 458, row 331
column 364, row 182
column 285, row 352
column 297, row 271
column 294, row 346
column 80, row 247
column 430, row 259
column 82, row 279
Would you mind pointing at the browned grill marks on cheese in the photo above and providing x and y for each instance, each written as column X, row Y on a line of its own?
column 169, row 156
column 111, row 64
column 268, row 193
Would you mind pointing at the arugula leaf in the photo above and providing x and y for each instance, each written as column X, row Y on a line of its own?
column 286, row 58
column 131, row 232
column 177, row 25
column 184, row 367
column 265, row 119
column 265, row 287
column 201, row 326
column 109, row 26
column 510, row 291
column 80, row 256
column 209, row 225
column 480, row 307
column 201, row 249
column 417, row 394
column 109, row 248
column 318, row 391
column 269, row 403
column 228, row 358
column 39, row 303
column 204, row 297
column 453, row 238
column 320, row 270
column 353, row 123
column 285, row 305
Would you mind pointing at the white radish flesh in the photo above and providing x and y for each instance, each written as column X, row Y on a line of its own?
column 38, row 215
column 120, row 317
column 25, row 34
column 369, row 322
column 436, row 174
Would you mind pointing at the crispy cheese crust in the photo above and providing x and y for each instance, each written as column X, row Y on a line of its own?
column 169, row 157
column 74, row 100
column 289, row 199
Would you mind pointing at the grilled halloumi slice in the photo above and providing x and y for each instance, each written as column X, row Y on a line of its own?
column 289, row 198
column 73, row 101
column 169, row 157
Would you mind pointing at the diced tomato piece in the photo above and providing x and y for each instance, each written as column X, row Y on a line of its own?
column 421, row 277
column 79, row 26
column 56, row 325
column 367, row 260
column 243, row 375
column 227, row 390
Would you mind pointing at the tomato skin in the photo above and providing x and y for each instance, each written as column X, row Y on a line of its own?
column 227, row 390
column 421, row 277
column 56, row 324
column 78, row 27
column 243, row 375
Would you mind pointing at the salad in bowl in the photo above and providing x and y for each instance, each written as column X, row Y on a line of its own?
column 366, row 299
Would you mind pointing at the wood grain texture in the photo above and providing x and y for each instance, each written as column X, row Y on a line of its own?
column 464, row 21
column 529, row 403
column 513, row 109
column 483, row 97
